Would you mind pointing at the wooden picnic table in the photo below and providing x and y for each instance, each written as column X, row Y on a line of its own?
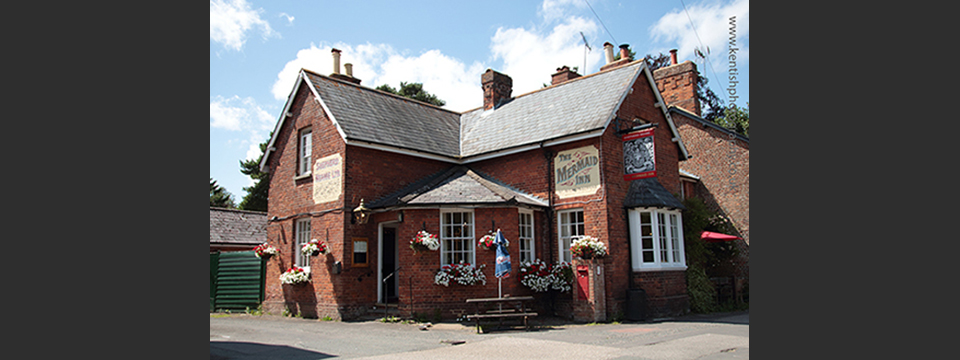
column 500, row 308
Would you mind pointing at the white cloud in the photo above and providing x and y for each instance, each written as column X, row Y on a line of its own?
column 556, row 9
column 376, row 64
column 288, row 17
column 230, row 20
column 446, row 77
column 530, row 57
column 239, row 114
column 712, row 22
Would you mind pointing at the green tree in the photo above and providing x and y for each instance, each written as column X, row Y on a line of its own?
column 220, row 197
column 736, row 119
column 413, row 91
column 256, row 198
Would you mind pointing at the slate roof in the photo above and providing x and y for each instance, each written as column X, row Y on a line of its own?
column 374, row 116
column 239, row 227
column 649, row 192
column 577, row 106
column 458, row 185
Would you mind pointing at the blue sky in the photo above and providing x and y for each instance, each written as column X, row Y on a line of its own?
column 258, row 47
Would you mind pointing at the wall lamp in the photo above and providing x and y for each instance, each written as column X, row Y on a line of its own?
column 361, row 214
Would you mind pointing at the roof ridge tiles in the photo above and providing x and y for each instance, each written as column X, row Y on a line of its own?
column 415, row 101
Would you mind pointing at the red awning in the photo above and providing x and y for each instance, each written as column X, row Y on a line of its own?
column 717, row 237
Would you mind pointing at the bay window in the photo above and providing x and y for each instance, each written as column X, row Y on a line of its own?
column 656, row 239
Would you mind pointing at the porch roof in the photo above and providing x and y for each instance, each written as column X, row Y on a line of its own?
column 650, row 193
column 456, row 186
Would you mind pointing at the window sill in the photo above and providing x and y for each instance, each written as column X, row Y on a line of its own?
column 661, row 268
column 301, row 177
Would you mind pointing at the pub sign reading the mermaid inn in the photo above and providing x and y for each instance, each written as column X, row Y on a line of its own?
column 577, row 172
column 638, row 156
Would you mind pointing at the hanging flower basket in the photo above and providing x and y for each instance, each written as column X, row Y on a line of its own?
column 314, row 247
column 462, row 273
column 265, row 251
column 587, row 247
column 486, row 242
column 424, row 241
column 295, row 276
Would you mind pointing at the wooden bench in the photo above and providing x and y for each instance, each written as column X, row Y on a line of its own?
column 485, row 309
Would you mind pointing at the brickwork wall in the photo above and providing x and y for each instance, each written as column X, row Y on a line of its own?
column 722, row 162
column 640, row 104
column 290, row 196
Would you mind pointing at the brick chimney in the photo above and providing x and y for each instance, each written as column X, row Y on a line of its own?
column 336, row 69
column 624, row 56
column 563, row 74
column 496, row 88
column 678, row 84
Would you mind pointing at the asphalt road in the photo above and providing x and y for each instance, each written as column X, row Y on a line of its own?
column 242, row 337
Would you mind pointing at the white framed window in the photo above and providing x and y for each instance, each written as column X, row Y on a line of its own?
column 304, row 151
column 656, row 239
column 456, row 237
column 570, row 224
column 526, row 240
column 302, row 229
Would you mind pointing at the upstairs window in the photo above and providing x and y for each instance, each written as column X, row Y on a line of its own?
column 304, row 151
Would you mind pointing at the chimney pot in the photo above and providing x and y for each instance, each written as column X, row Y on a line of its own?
column 336, row 60
column 608, row 51
column 673, row 56
column 563, row 74
column 624, row 52
column 349, row 68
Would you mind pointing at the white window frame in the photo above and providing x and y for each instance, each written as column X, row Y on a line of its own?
column 526, row 244
column 666, row 240
column 304, row 151
column 301, row 229
column 576, row 229
column 466, row 239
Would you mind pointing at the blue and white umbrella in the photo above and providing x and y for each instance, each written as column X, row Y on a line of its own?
column 502, row 269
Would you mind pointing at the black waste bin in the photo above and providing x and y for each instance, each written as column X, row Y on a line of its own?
column 636, row 304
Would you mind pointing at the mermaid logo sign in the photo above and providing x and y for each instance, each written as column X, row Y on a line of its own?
column 577, row 172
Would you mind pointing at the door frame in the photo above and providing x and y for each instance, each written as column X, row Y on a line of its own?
column 396, row 254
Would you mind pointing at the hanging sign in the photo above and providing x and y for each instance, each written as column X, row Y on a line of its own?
column 327, row 179
column 638, row 155
column 577, row 172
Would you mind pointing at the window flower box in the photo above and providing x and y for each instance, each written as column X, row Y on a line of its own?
column 295, row 276
column 588, row 247
column 540, row 276
column 462, row 273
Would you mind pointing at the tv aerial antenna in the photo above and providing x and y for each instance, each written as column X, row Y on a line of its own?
column 586, row 47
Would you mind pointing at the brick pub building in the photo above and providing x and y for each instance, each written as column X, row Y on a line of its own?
column 593, row 155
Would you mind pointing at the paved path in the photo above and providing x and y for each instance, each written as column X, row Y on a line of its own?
column 242, row 337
